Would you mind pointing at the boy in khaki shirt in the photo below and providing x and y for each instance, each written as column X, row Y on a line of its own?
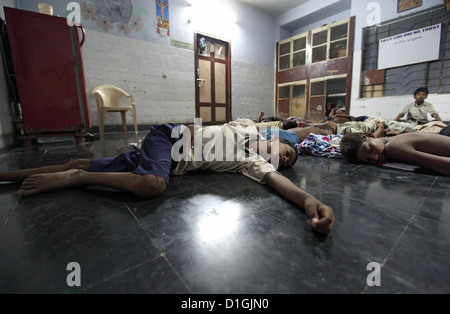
column 417, row 111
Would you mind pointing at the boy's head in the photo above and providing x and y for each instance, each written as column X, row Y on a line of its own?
column 287, row 153
column 421, row 90
column 421, row 94
column 362, row 148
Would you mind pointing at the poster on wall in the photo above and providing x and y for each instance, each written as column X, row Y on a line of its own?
column 420, row 45
column 405, row 5
column 162, row 17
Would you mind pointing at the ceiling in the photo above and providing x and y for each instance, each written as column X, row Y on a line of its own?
column 277, row 7
column 274, row 7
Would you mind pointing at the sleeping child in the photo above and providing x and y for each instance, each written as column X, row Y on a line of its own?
column 426, row 150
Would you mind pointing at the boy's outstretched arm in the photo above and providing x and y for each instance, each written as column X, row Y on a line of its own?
column 398, row 117
column 429, row 160
column 321, row 216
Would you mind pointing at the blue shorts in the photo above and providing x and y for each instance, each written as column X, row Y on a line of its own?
column 287, row 135
column 154, row 158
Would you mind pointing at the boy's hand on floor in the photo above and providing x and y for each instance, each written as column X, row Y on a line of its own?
column 321, row 216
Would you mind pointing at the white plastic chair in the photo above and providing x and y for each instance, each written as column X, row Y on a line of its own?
column 107, row 98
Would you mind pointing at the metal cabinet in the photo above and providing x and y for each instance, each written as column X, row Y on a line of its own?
column 48, row 68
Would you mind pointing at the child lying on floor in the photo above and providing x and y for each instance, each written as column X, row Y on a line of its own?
column 378, row 126
column 171, row 149
column 426, row 150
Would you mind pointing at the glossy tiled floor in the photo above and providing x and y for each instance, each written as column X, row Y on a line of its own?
column 224, row 234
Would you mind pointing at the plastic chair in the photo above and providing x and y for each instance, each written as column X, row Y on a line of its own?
column 107, row 98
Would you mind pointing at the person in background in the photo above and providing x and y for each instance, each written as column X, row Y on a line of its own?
column 417, row 111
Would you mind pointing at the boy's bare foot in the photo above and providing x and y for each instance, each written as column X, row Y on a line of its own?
column 39, row 183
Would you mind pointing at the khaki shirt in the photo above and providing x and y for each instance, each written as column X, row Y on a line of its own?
column 270, row 124
column 415, row 113
column 370, row 126
column 367, row 126
column 221, row 148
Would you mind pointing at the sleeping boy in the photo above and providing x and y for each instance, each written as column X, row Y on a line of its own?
column 427, row 150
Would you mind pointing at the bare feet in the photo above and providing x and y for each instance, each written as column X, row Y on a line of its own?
column 39, row 183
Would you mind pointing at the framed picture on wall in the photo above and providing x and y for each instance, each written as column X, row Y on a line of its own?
column 162, row 16
column 447, row 5
column 405, row 5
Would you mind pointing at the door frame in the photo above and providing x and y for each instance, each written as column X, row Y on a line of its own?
column 197, row 57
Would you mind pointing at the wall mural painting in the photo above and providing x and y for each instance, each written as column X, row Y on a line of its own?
column 121, row 17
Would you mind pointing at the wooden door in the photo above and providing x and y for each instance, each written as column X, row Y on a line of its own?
column 318, row 55
column 317, row 99
column 213, row 79
column 298, row 101
column 332, row 56
column 284, row 100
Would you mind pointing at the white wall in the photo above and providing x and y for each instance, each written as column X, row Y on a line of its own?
column 250, row 31
column 162, row 76
column 310, row 15
column 339, row 16
column 386, row 107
